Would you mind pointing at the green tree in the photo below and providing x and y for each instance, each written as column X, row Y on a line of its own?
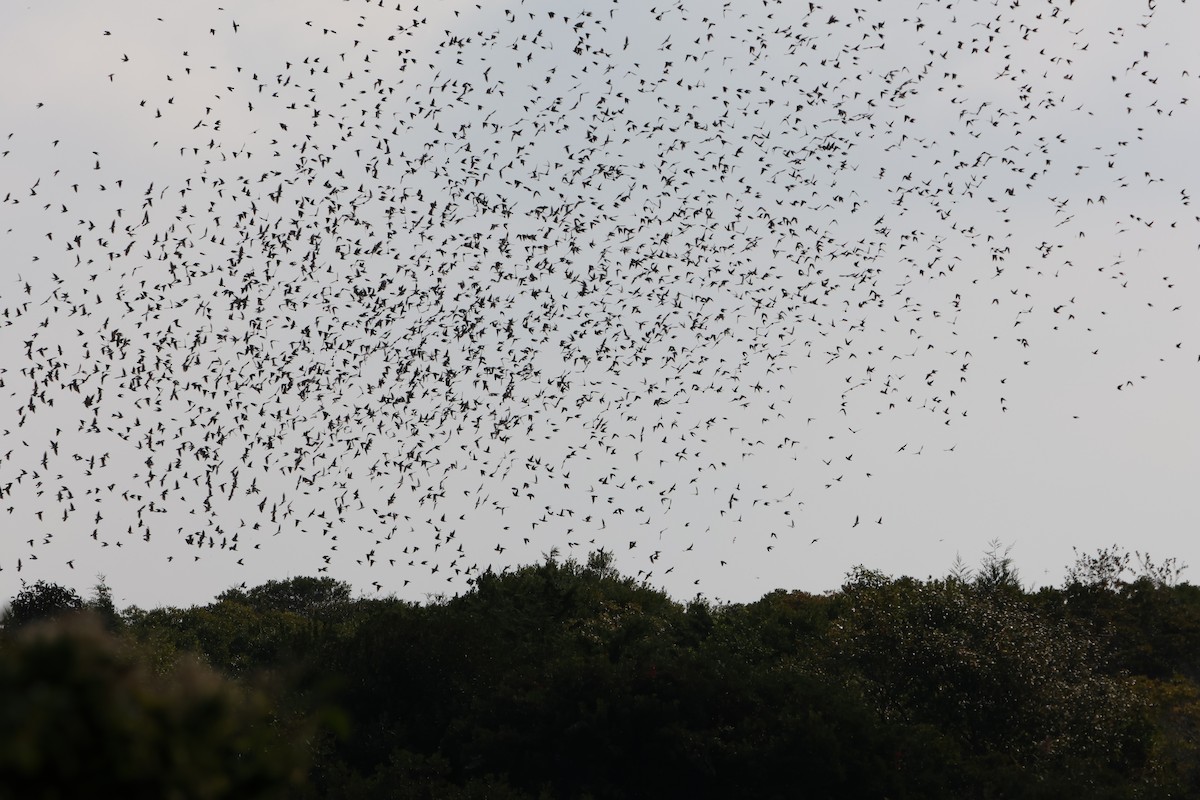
column 40, row 601
column 997, row 571
column 306, row 596
column 82, row 714
column 1026, row 696
column 101, row 604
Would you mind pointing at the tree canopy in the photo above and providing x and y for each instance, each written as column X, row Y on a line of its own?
column 562, row 679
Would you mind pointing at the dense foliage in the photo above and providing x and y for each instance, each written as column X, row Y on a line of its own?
column 569, row 680
column 83, row 714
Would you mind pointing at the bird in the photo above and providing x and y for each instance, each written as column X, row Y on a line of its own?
column 546, row 269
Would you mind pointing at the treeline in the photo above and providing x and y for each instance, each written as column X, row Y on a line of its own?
column 569, row 680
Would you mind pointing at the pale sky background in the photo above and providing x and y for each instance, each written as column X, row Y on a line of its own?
column 792, row 288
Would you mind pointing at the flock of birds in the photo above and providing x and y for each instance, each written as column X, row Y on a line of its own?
column 422, row 290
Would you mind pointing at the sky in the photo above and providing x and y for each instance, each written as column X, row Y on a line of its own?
column 745, row 294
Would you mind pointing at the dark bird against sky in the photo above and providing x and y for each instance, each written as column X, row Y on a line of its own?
column 452, row 286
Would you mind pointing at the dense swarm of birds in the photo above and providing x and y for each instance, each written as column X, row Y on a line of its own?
column 428, row 288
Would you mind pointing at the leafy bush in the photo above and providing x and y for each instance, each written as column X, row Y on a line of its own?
column 83, row 715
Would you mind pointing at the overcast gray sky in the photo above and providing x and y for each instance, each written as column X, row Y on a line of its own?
column 745, row 293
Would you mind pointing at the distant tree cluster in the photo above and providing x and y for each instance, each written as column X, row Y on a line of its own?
column 569, row 680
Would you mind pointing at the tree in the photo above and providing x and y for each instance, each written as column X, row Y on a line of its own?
column 996, row 571
column 1107, row 568
column 1001, row 678
column 101, row 604
column 41, row 601
column 309, row 597
column 83, row 714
